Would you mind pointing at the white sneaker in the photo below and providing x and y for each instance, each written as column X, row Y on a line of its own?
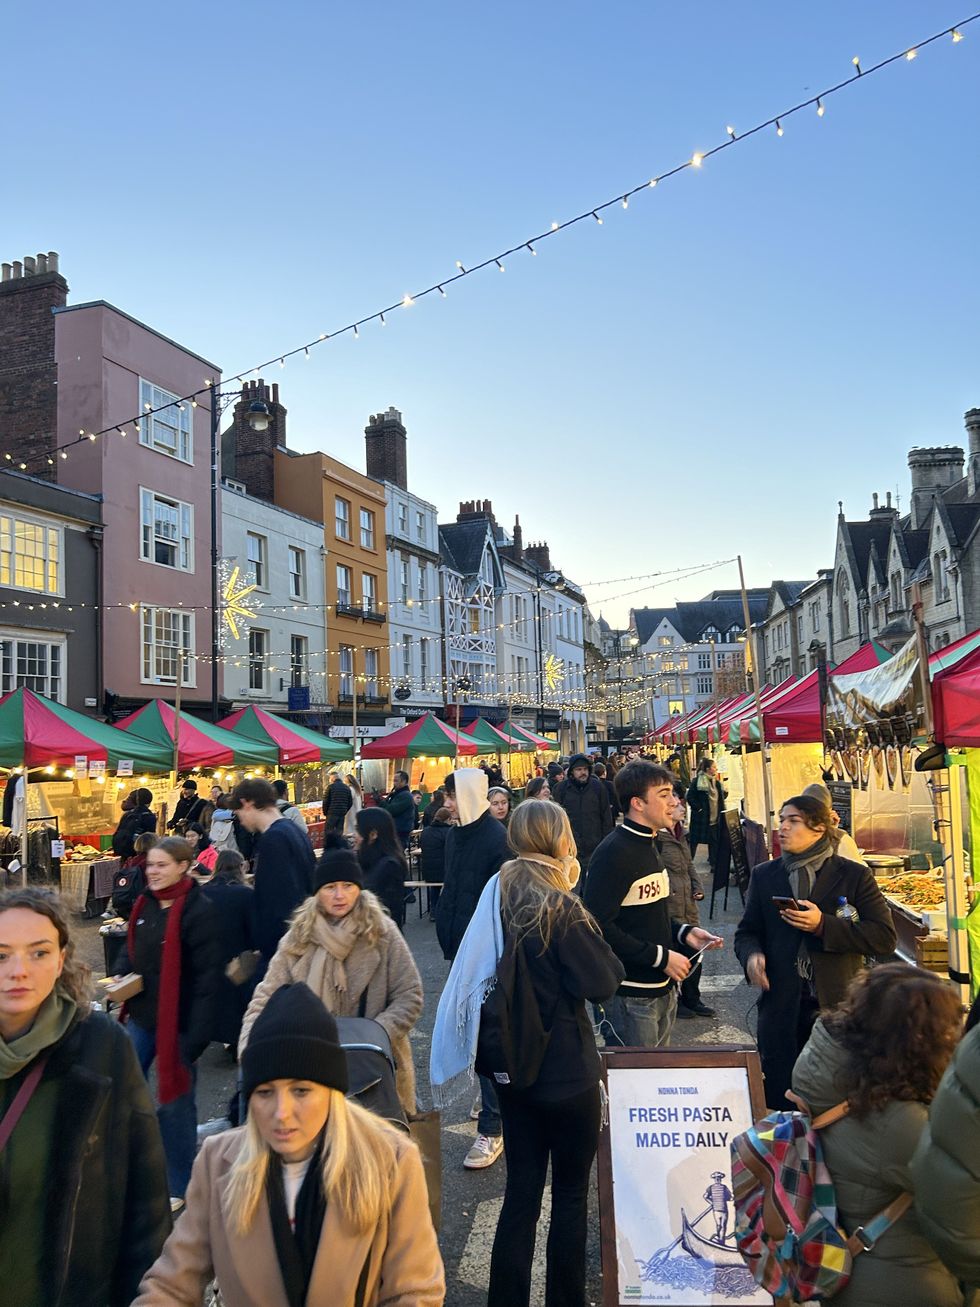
column 485, row 1151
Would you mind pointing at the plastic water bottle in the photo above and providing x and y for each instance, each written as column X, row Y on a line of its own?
column 846, row 911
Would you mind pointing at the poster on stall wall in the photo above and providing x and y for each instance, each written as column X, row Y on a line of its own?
column 666, row 1214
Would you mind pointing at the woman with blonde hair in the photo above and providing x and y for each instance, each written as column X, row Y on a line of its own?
column 530, row 903
column 313, row 1202
column 346, row 948
column 83, row 1183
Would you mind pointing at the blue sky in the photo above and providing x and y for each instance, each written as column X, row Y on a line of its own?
column 705, row 374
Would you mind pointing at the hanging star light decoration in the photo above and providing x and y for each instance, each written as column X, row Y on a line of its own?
column 554, row 672
column 238, row 607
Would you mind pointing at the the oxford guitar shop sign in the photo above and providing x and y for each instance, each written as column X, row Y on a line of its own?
column 665, row 1190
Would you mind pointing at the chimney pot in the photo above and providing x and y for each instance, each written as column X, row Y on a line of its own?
column 888, row 499
column 42, row 263
column 874, row 498
column 52, row 260
column 30, row 265
column 18, row 270
column 6, row 271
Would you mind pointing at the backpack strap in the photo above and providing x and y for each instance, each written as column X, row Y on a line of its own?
column 866, row 1236
column 830, row 1116
column 23, row 1096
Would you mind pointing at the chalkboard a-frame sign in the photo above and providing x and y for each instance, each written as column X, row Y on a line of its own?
column 666, row 1216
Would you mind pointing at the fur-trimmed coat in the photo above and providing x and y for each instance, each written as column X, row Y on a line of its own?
column 385, row 972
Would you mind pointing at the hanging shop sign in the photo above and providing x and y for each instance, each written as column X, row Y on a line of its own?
column 666, row 1216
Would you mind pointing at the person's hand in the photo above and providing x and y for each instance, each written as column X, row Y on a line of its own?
column 755, row 970
column 809, row 918
column 677, row 966
column 698, row 938
column 699, row 895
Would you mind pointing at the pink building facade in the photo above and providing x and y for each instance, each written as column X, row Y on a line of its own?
column 155, row 484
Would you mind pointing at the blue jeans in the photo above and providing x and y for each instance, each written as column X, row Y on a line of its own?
column 488, row 1122
column 642, row 1022
column 178, row 1120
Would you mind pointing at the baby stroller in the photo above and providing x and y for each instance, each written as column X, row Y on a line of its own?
column 371, row 1068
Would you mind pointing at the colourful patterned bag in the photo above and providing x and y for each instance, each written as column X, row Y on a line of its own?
column 786, row 1209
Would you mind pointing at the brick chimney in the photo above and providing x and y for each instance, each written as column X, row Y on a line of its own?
column 250, row 456
column 517, row 551
column 473, row 509
column 29, row 290
column 386, row 448
column 539, row 555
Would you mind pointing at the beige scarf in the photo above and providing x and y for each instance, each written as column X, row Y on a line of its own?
column 568, row 868
column 333, row 943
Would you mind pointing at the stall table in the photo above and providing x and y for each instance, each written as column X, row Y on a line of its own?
column 87, row 886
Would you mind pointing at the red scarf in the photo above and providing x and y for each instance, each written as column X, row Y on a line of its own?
column 174, row 1078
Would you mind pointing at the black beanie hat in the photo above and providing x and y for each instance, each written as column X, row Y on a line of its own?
column 338, row 864
column 294, row 1038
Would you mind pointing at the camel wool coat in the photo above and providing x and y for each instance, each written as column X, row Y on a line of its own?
column 384, row 972
column 399, row 1259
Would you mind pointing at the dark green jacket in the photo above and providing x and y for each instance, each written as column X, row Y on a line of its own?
column 946, row 1165
column 868, row 1160
column 401, row 807
column 106, row 1210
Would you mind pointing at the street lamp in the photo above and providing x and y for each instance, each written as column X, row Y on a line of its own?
column 258, row 420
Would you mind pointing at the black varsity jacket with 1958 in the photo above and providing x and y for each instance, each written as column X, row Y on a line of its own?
column 628, row 891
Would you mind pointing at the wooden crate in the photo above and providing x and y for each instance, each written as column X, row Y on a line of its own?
column 932, row 953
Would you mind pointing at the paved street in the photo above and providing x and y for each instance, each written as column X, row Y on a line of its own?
column 471, row 1199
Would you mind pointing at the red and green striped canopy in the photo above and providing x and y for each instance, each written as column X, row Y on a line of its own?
column 494, row 739
column 294, row 742
column 427, row 737
column 37, row 732
column 540, row 742
column 200, row 743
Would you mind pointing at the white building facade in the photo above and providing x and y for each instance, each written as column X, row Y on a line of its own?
column 414, row 603
column 282, row 645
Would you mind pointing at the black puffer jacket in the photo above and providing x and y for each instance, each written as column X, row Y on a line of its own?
column 107, row 1212
column 588, row 807
column 336, row 803
column 201, row 969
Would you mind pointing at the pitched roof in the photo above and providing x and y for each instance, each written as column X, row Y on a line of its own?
column 692, row 618
column 462, row 545
column 858, row 537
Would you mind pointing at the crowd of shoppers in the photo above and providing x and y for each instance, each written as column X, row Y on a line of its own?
column 590, row 880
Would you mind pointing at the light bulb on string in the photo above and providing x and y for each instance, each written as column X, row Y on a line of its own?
column 779, row 128
column 357, row 334
column 626, row 201
column 441, row 292
column 407, row 301
column 956, row 35
column 820, row 107
column 731, row 133
column 306, row 351
column 531, row 249
column 857, row 64
column 597, row 218
column 911, row 54
column 460, row 266
column 500, row 265
column 697, row 159
column 383, row 323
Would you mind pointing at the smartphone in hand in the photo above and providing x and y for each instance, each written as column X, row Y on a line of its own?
column 782, row 903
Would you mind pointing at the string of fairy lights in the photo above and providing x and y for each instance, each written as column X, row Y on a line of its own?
column 528, row 246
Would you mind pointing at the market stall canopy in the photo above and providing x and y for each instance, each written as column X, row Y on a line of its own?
column 200, row 743
column 883, row 691
column 540, row 742
column 955, row 674
column 294, row 743
column 426, row 737
column 795, row 717
column 493, row 739
column 37, row 732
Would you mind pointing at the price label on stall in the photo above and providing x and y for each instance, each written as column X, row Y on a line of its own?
column 96, row 768
column 57, row 848
column 124, row 767
column 81, row 764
